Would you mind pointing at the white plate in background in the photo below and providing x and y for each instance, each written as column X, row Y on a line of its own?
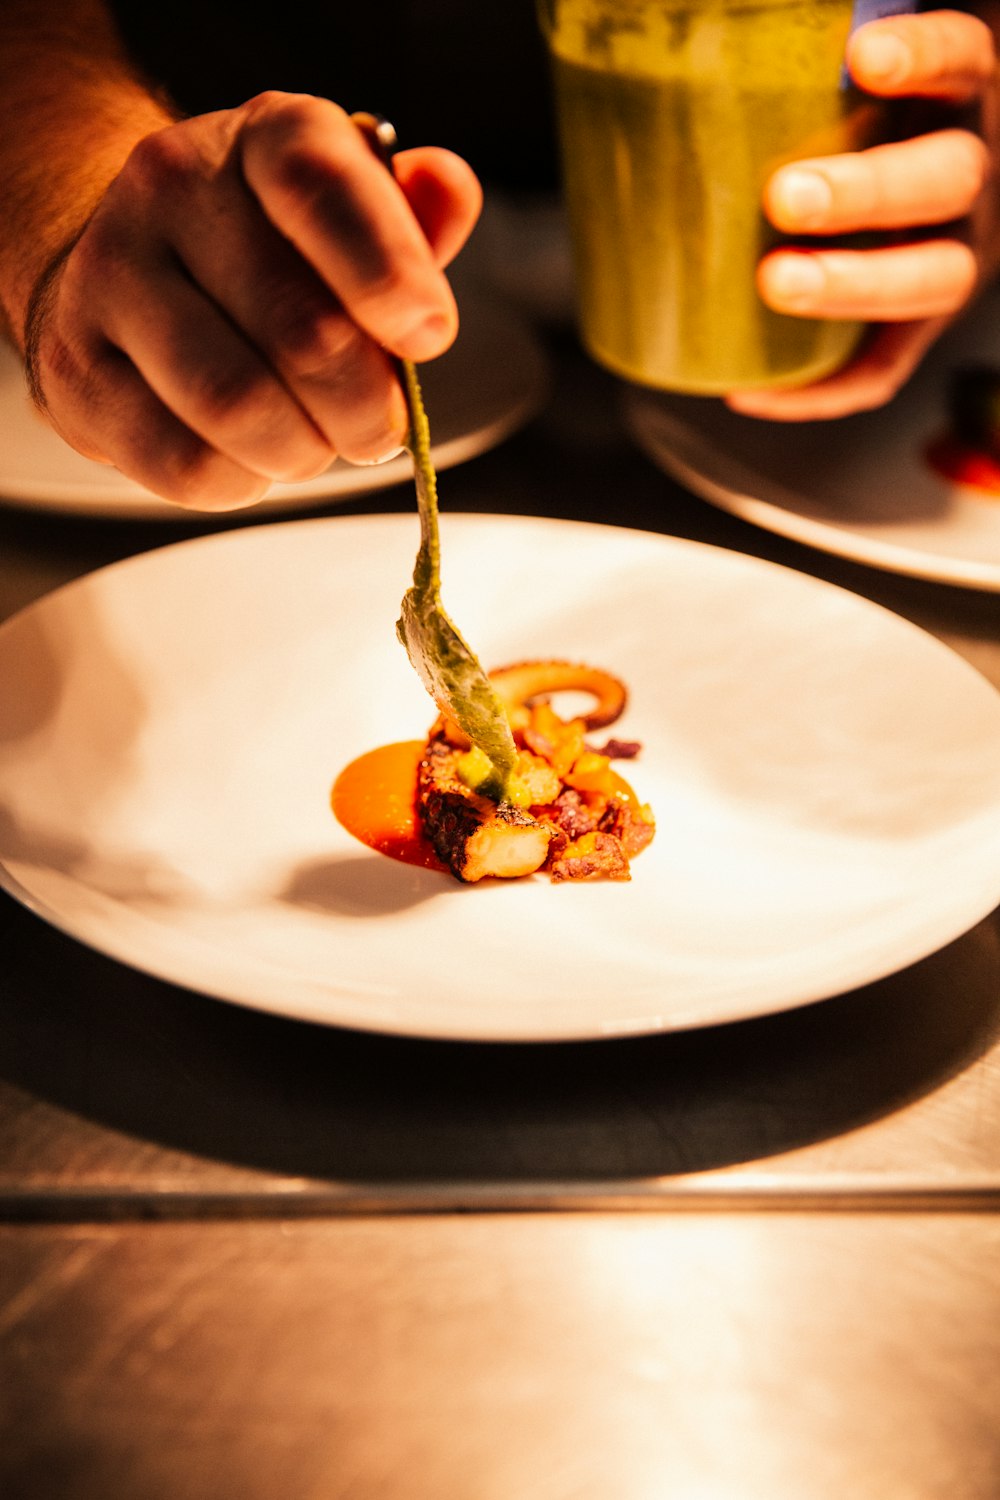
column 860, row 487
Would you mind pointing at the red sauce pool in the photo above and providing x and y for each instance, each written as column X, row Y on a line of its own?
column 964, row 465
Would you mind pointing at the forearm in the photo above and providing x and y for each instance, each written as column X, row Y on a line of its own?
column 74, row 108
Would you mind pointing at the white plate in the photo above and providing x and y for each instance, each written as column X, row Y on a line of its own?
column 490, row 382
column 860, row 487
column 826, row 779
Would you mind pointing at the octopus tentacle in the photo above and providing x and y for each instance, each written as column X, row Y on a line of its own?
column 524, row 682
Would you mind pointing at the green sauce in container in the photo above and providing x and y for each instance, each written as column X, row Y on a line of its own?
column 672, row 116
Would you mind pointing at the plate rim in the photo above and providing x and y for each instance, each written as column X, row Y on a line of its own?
column 645, row 408
column 780, row 520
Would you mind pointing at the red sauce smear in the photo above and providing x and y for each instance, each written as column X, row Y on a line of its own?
column 956, row 461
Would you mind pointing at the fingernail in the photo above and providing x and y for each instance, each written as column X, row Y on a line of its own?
column 383, row 458
column 428, row 339
column 804, row 197
column 886, row 58
column 795, row 279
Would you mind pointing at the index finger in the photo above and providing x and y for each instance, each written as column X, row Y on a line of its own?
column 942, row 54
column 318, row 182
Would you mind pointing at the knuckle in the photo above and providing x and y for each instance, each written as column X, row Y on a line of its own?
column 160, row 163
column 969, row 167
column 933, row 43
column 267, row 103
column 310, row 166
column 305, row 172
column 68, row 369
column 389, row 285
column 59, row 363
column 942, row 277
column 275, row 109
column 294, row 471
column 373, row 441
column 965, row 272
column 297, row 134
column 229, row 395
column 195, row 476
column 248, row 416
column 969, row 43
column 100, row 257
column 954, row 45
column 315, row 341
column 189, row 473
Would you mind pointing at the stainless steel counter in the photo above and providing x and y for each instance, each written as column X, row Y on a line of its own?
column 561, row 1357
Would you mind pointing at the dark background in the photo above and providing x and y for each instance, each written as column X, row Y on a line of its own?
column 465, row 74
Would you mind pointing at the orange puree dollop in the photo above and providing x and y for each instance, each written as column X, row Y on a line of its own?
column 374, row 798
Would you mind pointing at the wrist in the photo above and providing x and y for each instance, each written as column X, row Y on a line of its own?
column 74, row 109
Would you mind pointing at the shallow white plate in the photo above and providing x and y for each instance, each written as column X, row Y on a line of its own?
column 826, row 779
column 490, row 382
column 860, row 487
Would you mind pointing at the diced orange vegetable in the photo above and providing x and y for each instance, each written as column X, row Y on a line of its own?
column 559, row 741
column 591, row 773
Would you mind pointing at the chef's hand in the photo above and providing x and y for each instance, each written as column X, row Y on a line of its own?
column 910, row 291
column 228, row 315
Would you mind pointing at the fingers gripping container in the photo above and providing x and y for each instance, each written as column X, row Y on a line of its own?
column 672, row 114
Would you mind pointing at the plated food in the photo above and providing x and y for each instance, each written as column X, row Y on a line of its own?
column 569, row 813
column 504, row 786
